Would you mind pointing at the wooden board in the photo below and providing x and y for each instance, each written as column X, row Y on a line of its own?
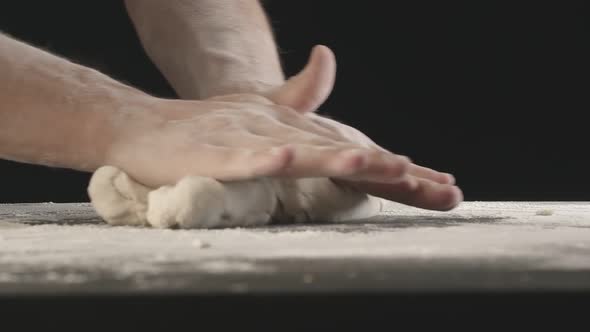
column 483, row 246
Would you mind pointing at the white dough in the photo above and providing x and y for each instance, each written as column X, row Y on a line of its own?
column 199, row 202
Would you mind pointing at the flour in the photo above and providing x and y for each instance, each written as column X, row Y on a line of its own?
column 544, row 213
column 46, row 250
column 199, row 202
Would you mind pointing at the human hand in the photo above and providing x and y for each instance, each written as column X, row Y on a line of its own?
column 421, row 187
column 242, row 136
column 237, row 137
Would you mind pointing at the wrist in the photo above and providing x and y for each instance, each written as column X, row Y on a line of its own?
column 89, row 121
column 110, row 123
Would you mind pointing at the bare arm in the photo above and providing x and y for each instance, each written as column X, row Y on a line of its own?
column 52, row 111
column 209, row 47
column 57, row 113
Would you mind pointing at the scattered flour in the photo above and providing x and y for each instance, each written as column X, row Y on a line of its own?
column 544, row 212
column 63, row 252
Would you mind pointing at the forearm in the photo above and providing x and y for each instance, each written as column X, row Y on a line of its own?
column 209, row 47
column 53, row 112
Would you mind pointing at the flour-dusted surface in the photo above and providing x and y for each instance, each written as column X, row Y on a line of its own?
column 66, row 248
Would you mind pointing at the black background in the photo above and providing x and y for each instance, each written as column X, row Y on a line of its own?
column 494, row 92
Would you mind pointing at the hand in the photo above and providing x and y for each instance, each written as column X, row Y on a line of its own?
column 238, row 137
column 421, row 187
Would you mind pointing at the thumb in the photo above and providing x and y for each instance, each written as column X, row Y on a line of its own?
column 309, row 89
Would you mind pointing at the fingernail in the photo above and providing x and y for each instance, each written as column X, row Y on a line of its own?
column 454, row 199
column 450, row 178
column 411, row 181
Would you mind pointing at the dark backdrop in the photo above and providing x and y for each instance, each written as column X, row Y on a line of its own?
column 493, row 92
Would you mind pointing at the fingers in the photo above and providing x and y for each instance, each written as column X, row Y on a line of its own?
column 383, row 168
column 432, row 196
column 360, row 163
column 311, row 161
column 306, row 91
column 413, row 191
column 432, row 175
column 303, row 161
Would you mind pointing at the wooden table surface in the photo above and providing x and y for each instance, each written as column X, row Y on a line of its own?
column 482, row 246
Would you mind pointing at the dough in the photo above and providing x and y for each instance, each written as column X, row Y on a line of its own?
column 200, row 202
